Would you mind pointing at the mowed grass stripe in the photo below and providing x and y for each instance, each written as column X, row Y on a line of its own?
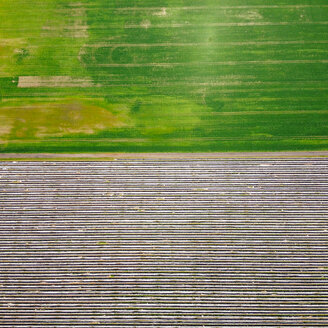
column 230, row 63
column 178, row 25
column 146, row 26
column 267, row 71
column 172, row 44
column 191, row 34
column 148, row 53
column 199, row 5
column 215, row 53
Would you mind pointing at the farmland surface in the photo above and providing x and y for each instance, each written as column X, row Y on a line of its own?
column 164, row 243
column 140, row 76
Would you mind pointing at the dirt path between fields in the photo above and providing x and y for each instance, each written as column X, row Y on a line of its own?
column 158, row 156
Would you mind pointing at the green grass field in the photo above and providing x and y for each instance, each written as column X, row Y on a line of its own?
column 177, row 75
